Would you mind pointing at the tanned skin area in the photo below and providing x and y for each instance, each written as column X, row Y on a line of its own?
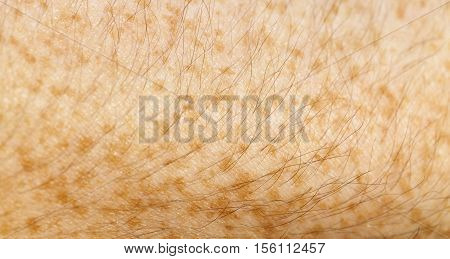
column 375, row 164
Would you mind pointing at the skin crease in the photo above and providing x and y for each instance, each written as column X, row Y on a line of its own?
column 375, row 166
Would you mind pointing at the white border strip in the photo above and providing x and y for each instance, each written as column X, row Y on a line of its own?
column 333, row 248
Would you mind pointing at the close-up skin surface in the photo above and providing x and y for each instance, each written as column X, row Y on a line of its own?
column 370, row 162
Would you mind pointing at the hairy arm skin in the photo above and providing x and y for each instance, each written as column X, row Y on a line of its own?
column 376, row 165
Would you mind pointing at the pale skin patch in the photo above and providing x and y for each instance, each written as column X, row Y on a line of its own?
column 375, row 164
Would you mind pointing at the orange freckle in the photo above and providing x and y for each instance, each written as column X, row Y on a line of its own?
column 193, row 210
column 400, row 12
column 123, row 194
column 315, row 103
column 386, row 93
column 164, row 59
column 29, row 58
column 354, row 72
column 168, row 162
column 210, row 214
column 164, row 206
column 82, row 58
column 83, row 179
column 360, row 217
column 113, row 158
column 62, row 197
column 270, row 5
column 75, row 17
column 80, row 210
column 122, row 145
column 107, row 210
column 172, row 22
column 180, row 184
column 274, row 195
column 13, row 41
column 85, row 144
column 282, row 7
column 4, row 230
column 292, row 66
column 226, row 163
column 226, row 70
column 18, row 13
column 130, row 17
column 148, row 153
column 243, row 148
column 447, row 65
column 317, row 157
column 343, row 222
column 316, row 65
column 388, row 111
column 133, row 222
column 297, row 53
column 258, row 212
column 360, row 179
column 166, row 126
column 229, row 227
column 63, row 144
column 43, row 4
column 158, row 86
column 271, row 149
column 32, row 225
column 173, row 235
column 317, row 228
column 221, row 202
column 244, row 190
column 416, row 214
column 322, row 205
column 189, row 68
column 219, row 32
column 27, row 164
column 219, row 46
column 107, row 128
column 387, row 200
column 196, row 145
column 57, row 91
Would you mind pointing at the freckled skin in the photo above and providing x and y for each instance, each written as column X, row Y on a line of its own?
column 375, row 166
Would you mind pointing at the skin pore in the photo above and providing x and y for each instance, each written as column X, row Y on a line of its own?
column 375, row 164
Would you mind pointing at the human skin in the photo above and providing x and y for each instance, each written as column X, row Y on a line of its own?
column 375, row 164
